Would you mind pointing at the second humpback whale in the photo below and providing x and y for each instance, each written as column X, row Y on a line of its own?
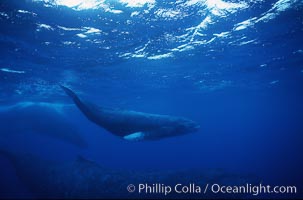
column 132, row 125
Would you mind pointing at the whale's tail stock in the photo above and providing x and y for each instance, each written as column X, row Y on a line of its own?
column 69, row 92
column 82, row 106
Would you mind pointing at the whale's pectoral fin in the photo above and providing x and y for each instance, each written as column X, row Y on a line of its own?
column 137, row 136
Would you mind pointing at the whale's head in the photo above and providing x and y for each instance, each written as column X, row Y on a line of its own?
column 185, row 126
column 173, row 127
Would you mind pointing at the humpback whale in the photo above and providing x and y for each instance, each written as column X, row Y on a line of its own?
column 82, row 178
column 41, row 118
column 133, row 125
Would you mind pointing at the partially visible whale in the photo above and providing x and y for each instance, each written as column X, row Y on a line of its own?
column 48, row 119
column 77, row 178
column 132, row 125
column 86, row 179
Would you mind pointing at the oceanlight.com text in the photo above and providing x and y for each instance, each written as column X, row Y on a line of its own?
column 193, row 188
column 251, row 189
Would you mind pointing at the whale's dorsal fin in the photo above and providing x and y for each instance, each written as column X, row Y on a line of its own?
column 137, row 136
column 84, row 160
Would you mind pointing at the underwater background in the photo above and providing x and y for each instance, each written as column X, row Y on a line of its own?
column 233, row 66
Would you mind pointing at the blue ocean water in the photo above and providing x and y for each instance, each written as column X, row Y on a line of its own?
column 233, row 66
